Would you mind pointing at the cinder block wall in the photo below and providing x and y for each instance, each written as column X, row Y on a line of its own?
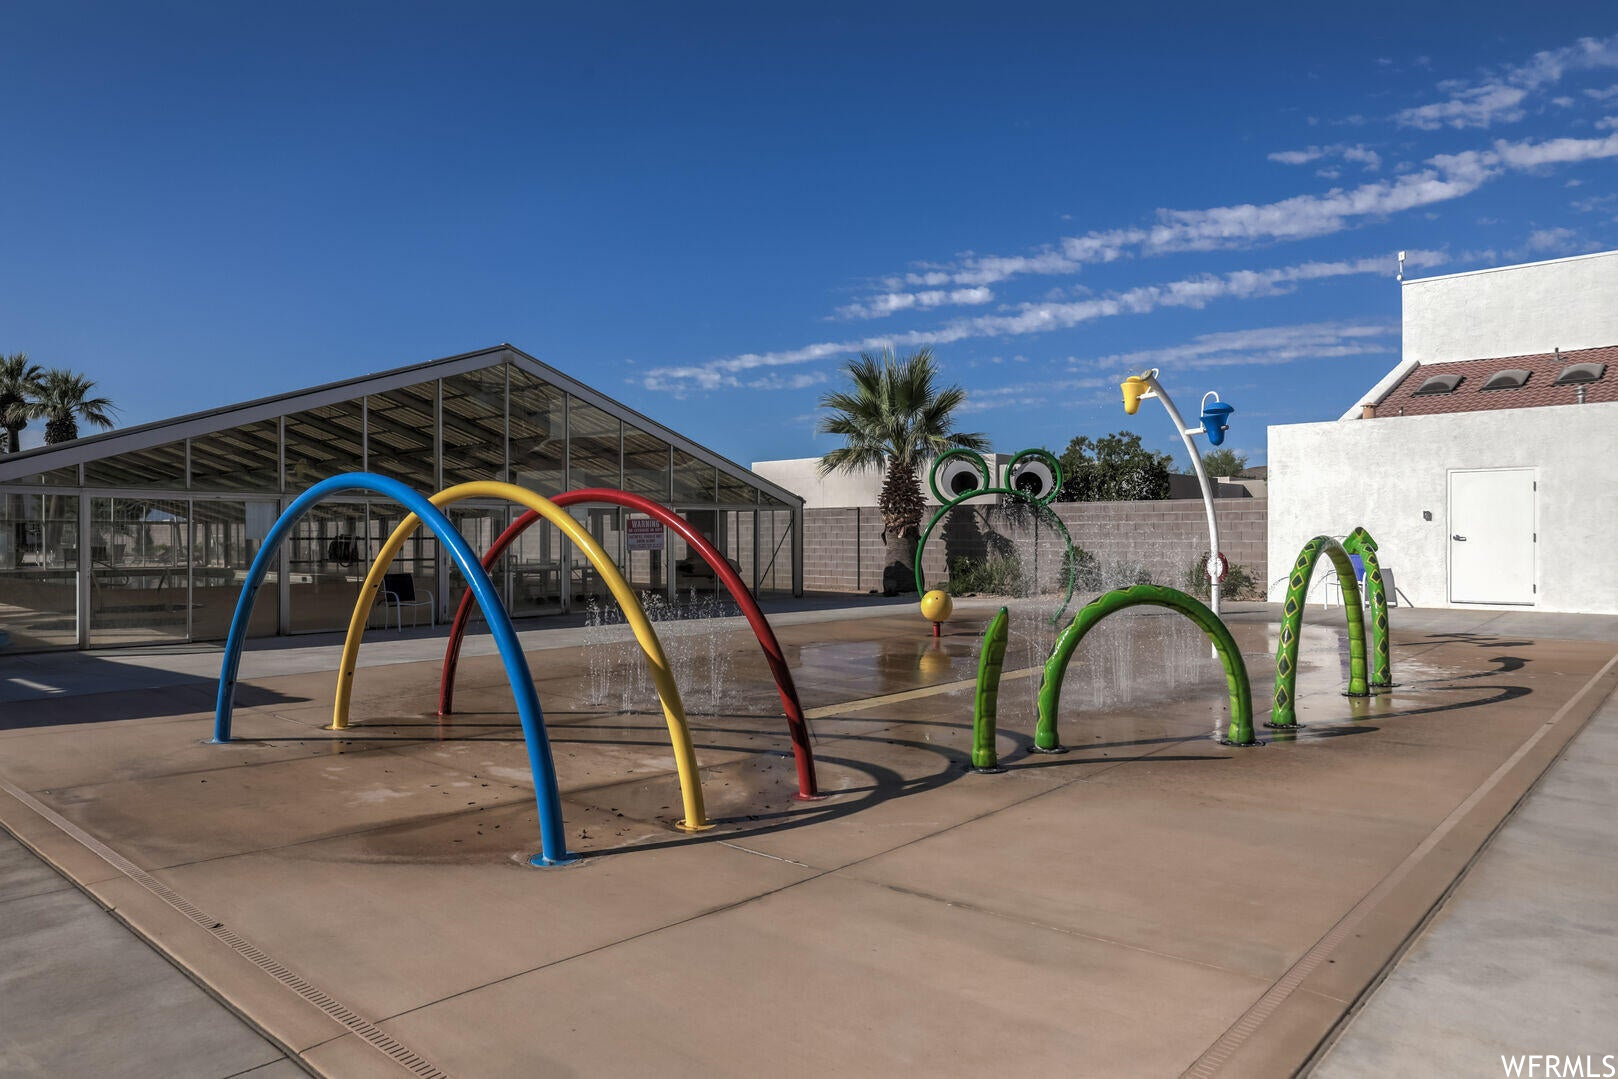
column 844, row 552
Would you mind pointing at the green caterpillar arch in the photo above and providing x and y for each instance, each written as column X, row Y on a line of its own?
column 1284, row 716
column 1360, row 542
column 986, row 702
column 1067, row 538
column 1240, row 731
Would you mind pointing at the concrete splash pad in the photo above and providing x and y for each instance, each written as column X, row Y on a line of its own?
column 1150, row 903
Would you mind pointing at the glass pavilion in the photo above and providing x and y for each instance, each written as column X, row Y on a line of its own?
column 143, row 536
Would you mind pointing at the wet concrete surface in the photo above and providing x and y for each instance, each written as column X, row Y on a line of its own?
column 1133, row 906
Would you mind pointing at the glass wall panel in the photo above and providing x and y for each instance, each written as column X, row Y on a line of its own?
column 691, row 571
column 536, row 570
column 418, row 558
column 323, row 442
column 139, row 571
column 160, row 466
column 39, row 558
column 646, row 464
column 694, row 479
column 399, row 427
column 537, row 434
column 474, row 426
column 58, row 477
column 225, row 536
column 735, row 492
column 245, row 458
column 736, row 528
column 594, row 454
column 606, row 525
column 775, row 550
column 480, row 524
column 328, row 555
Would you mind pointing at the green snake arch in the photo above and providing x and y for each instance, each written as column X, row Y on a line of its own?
column 1360, row 542
column 1240, row 731
column 1283, row 714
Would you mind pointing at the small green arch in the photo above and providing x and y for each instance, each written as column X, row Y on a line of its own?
column 1284, row 716
column 1240, row 732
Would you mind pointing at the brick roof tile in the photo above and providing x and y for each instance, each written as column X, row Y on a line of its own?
column 1469, row 396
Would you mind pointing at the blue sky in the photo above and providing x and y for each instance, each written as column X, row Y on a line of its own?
column 705, row 209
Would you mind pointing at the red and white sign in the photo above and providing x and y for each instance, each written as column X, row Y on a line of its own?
column 644, row 534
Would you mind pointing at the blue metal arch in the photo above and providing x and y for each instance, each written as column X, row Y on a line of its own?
column 553, row 841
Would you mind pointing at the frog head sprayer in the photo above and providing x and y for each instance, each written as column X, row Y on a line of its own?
column 1033, row 477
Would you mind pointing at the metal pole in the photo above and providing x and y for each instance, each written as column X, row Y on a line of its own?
column 1202, row 478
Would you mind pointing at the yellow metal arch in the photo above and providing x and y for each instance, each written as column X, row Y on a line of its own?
column 685, row 757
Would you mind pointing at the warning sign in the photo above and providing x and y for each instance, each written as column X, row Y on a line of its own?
column 644, row 534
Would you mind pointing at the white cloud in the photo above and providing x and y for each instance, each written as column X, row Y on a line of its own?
column 1443, row 178
column 789, row 382
column 1266, row 346
column 1501, row 97
column 1191, row 292
column 1475, row 106
column 1530, row 155
column 889, row 303
column 1607, row 123
column 1040, row 393
column 1363, row 156
column 1551, row 241
column 1602, row 95
column 1298, row 157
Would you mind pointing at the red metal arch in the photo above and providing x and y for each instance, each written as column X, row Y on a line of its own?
column 799, row 729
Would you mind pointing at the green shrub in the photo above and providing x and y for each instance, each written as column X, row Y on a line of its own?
column 1086, row 569
column 1238, row 582
column 999, row 575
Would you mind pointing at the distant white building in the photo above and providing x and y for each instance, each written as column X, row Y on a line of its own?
column 844, row 490
column 1485, row 463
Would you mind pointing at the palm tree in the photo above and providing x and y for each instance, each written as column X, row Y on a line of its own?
column 893, row 416
column 62, row 400
column 19, row 382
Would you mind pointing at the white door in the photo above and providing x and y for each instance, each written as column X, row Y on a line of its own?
column 1491, row 542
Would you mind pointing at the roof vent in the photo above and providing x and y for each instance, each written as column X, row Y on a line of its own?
column 1509, row 379
column 1581, row 372
column 1439, row 384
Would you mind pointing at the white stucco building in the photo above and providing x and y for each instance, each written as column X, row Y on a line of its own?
column 1486, row 462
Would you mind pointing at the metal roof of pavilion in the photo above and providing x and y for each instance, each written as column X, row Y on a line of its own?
column 29, row 463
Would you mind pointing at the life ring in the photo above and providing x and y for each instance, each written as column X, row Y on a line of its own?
column 1217, row 568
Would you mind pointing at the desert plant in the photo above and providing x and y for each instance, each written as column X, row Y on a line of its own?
column 19, row 385
column 62, row 400
column 1238, row 582
column 1224, row 462
column 995, row 576
column 894, row 417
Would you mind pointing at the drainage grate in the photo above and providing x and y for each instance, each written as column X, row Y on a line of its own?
column 356, row 1024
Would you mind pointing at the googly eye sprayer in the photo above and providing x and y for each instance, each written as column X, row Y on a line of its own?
column 1033, row 477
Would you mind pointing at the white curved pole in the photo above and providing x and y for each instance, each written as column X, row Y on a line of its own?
column 1157, row 391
